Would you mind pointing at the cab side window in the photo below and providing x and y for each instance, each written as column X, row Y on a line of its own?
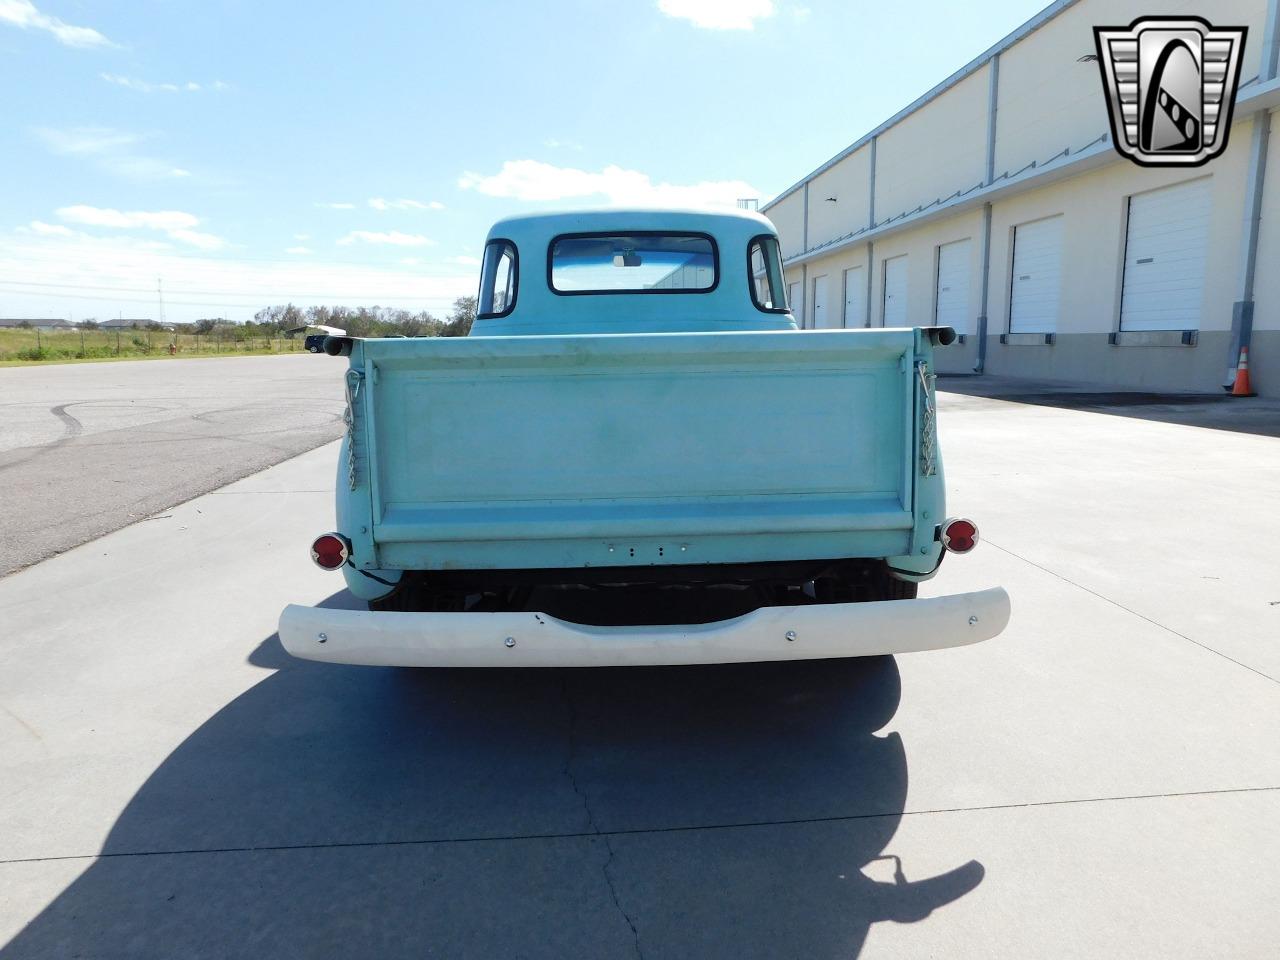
column 764, row 262
column 499, row 280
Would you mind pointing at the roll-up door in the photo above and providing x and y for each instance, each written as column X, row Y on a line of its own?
column 895, row 292
column 1037, row 277
column 855, row 297
column 822, row 318
column 954, row 263
column 1164, row 261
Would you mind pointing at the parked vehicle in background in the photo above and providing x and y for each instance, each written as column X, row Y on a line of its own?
column 636, row 458
column 316, row 334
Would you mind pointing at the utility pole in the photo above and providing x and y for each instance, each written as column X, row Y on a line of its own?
column 160, row 294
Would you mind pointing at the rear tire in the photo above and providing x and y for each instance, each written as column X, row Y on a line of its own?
column 894, row 589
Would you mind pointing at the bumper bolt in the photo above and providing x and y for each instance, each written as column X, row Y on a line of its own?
column 973, row 620
column 509, row 642
column 322, row 637
column 791, row 636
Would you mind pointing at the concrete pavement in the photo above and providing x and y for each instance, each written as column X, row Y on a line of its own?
column 87, row 448
column 1101, row 780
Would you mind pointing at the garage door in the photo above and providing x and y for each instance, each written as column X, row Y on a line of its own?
column 1164, row 259
column 1037, row 277
column 895, row 292
column 822, row 318
column 855, row 297
column 953, row 286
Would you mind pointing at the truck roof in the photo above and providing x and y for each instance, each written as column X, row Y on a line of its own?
column 727, row 223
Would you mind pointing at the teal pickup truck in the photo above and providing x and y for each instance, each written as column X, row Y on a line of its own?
column 637, row 458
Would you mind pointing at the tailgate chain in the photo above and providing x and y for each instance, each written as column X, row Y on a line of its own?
column 353, row 380
column 928, row 439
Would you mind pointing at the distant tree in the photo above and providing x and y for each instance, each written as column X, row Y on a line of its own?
column 90, row 324
column 460, row 320
column 25, row 325
column 206, row 325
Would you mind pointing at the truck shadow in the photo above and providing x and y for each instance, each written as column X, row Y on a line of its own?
column 340, row 811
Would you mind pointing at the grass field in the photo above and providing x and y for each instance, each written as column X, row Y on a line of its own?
column 38, row 346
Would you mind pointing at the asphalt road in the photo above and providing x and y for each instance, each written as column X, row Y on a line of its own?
column 1103, row 780
column 88, row 448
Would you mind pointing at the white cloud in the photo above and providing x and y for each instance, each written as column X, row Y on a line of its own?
column 204, row 241
column 51, row 229
column 176, row 223
column 392, row 237
column 465, row 261
column 140, row 85
column 337, row 206
column 536, row 181
column 86, row 140
column 107, row 217
column 121, row 269
column 146, row 86
column 301, row 251
column 23, row 13
column 113, row 150
column 719, row 14
column 553, row 144
column 378, row 203
column 302, row 236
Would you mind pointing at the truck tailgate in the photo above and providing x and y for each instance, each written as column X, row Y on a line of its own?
column 587, row 448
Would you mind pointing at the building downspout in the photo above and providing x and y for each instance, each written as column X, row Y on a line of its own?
column 804, row 267
column 871, row 225
column 993, row 94
column 871, row 259
column 1255, row 184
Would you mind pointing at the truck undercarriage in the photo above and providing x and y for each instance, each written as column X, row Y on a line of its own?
column 616, row 596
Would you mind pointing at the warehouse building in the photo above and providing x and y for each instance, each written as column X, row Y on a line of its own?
column 997, row 204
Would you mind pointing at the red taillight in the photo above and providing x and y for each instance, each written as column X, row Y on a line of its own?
column 960, row 535
column 330, row 551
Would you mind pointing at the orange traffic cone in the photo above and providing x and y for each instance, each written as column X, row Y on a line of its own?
column 1242, row 388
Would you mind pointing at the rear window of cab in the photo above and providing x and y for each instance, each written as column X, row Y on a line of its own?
column 633, row 263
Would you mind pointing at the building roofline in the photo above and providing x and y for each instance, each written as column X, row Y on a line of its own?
column 972, row 67
column 1250, row 101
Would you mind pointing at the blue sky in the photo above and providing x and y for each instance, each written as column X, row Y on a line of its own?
column 262, row 152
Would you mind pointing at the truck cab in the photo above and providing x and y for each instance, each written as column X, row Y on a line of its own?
column 637, row 458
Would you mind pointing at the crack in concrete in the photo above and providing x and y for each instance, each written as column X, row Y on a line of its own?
column 567, row 770
column 638, row 831
column 1130, row 610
